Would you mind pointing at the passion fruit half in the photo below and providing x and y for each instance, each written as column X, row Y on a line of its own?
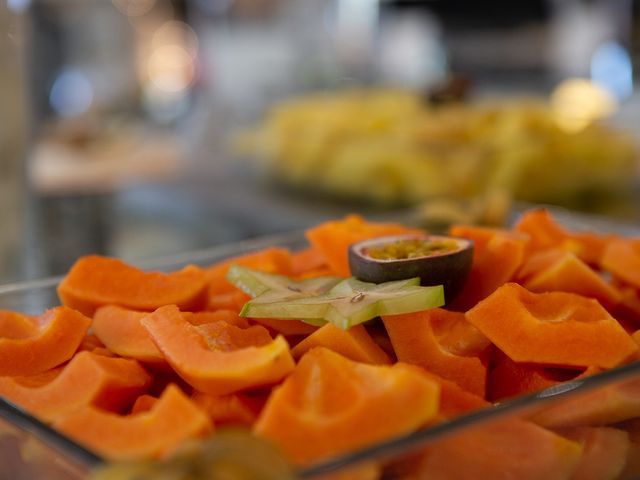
column 436, row 259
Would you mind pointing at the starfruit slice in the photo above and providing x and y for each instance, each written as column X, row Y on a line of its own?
column 344, row 303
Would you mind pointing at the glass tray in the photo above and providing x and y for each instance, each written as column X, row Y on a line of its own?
column 30, row 449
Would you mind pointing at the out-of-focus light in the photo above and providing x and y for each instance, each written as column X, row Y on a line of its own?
column 176, row 33
column 71, row 93
column 577, row 102
column 611, row 68
column 134, row 8
column 215, row 7
column 171, row 68
column 18, row 6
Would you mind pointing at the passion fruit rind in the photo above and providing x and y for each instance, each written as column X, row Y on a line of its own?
column 448, row 267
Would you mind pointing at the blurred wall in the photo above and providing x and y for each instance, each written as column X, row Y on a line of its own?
column 12, row 142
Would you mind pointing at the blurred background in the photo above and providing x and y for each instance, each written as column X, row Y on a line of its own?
column 145, row 128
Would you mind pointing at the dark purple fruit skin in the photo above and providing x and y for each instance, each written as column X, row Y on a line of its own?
column 450, row 270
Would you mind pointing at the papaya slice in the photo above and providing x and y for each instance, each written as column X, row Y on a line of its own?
column 222, row 337
column 552, row 329
column 329, row 405
column 88, row 379
column 455, row 400
column 234, row 410
column 229, row 316
column 510, row 379
column 233, row 300
column 567, row 273
column 271, row 260
column 59, row 334
column 92, row 343
column 354, row 343
column 285, row 327
column 545, row 232
column 604, row 451
column 14, row 325
column 333, row 238
column 94, row 281
column 444, row 343
column 629, row 307
column 606, row 405
column 306, row 261
column 173, row 419
column 210, row 370
column 500, row 450
column 143, row 403
column 622, row 259
column 122, row 333
column 497, row 256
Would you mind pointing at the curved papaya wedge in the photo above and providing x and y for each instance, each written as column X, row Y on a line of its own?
column 58, row 335
column 17, row 325
column 567, row 273
column 172, row 419
column 545, row 232
column 330, row 405
column 552, row 329
column 94, row 281
column 497, row 256
column 622, row 259
column 354, row 343
column 88, row 379
column 212, row 370
column 500, row 450
column 121, row 331
column 442, row 342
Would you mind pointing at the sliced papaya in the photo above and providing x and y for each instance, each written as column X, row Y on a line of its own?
column 233, row 300
column 14, row 325
column 500, row 450
column 234, row 410
column 552, row 329
column 173, row 419
column 333, row 238
column 330, row 405
column 604, row 451
column 444, row 343
column 306, row 261
column 455, row 400
column 59, row 334
column 545, row 232
column 271, row 260
column 622, row 259
column 94, row 281
column 210, row 370
column 567, row 273
column 497, row 256
column 88, row 379
column 510, row 379
column 354, row 343
column 606, row 405
column 229, row 316
column 629, row 307
column 143, row 403
column 121, row 331
column 223, row 337
column 285, row 327
column 92, row 343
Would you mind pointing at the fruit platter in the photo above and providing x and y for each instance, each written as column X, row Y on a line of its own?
column 357, row 350
column 390, row 147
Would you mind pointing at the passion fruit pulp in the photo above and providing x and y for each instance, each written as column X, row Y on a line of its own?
column 436, row 259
